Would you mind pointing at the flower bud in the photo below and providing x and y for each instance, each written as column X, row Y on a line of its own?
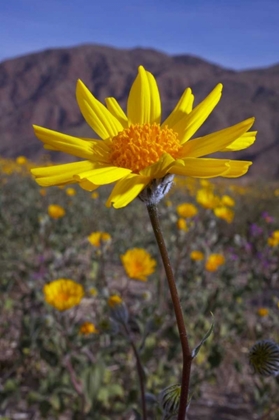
column 169, row 400
column 264, row 358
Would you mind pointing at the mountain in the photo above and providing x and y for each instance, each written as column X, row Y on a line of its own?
column 40, row 89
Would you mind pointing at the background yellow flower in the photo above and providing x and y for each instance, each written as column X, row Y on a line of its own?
column 186, row 210
column 214, row 261
column 224, row 213
column 138, row 263
column 63, row 294
column 70, row 192
column 197, row 255
column 226, row 200
column 262, row 312
column 96, row 238
column 207, row 199
column 88, row 328
column 182, row 224
column 55, row 211
column 114, row 300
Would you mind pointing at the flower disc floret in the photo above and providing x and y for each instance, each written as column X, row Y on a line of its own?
column 139, row 146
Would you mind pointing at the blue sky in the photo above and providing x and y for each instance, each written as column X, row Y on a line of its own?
column 233, row 33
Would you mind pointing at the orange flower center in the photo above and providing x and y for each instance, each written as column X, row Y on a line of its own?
column 63, row 297
column 141, row 145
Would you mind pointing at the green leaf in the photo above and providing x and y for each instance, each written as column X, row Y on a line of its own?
column 197, row 349
column 92, row 378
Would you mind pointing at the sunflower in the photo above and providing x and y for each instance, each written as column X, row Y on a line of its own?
column 136, row 149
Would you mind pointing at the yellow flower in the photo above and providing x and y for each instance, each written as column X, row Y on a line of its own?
column 63, row 294
column 263, row 312
column 21, row 160
column 138, row 263
column 214, row 261
column 97, row 238
column 226, row 200
column 204, row 183
column 93, row 291
column 273, row 240
column 207, row 199
column 186, row 210
column 55, row 211
column 182, row 224
column 224, row 213
column 88, row 328
column 196, row 256
column 114, row 300
column 276, row 192
column 42, row 192
column 137, row 148
column 70, row 192
column 95, row 195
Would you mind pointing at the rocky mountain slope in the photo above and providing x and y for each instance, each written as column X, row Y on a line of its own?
column 40, row 89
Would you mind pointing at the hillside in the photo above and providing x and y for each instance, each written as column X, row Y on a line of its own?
column 40, row 89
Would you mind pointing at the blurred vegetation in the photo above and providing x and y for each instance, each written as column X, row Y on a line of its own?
column 49, row 366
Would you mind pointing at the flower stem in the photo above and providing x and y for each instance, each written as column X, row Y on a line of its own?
column 140, row 372
column 187, row 356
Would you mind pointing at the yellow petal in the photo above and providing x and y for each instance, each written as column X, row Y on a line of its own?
column 244, row 141
column 96, row 114
column 87, row 185
column 60, row 174
column 200, row 168
column 105, row 175
column 116, row 110
column 54, row 140
column 188, row 125
column 237, row 168
column 126, row 190
column 215, row 142
column 144, row 104
column 160, row 168
column 183, row 107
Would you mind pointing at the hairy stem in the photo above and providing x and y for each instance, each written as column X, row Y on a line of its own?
column 187, row 356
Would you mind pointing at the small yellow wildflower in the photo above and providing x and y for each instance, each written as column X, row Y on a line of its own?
column 88, row 328
column 114, row 300
column 138, row 263
column 63, row 294
column 182, row 224
column 207, row 199
column 55, row 211
column 262, row 312
column 214, row 261
column 21, row 160
column 226, row 200
column 93, row 291
column 136, row 148
column 98, row 238
column 70, row 192
column 273, row 240
column 95, row 195
column 205, row 183
column 276, row 192
column 197, row 255
column 186, row 210
column 224, row 213
column 168, row 203
column 43, row 192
